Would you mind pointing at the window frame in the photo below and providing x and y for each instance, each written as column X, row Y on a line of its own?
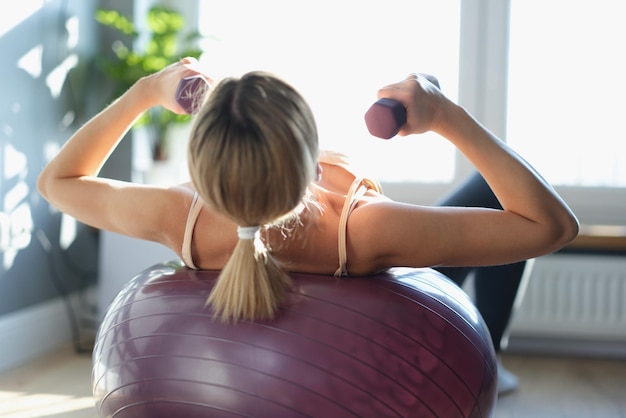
column 483, row 68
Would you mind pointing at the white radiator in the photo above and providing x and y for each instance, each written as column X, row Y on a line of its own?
column 575, row 299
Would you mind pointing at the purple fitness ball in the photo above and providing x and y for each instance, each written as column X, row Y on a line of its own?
column 406, row 343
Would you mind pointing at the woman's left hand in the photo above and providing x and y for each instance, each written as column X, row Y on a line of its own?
column 160, row 87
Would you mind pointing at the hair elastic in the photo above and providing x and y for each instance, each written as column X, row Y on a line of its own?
column 247, row 232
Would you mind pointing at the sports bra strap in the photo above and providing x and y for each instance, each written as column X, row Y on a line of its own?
column 357, row 190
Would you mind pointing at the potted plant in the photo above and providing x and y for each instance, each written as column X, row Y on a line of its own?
column 166, row 45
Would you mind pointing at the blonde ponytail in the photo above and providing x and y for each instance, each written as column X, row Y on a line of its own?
column 252, row 154
column 251, row 285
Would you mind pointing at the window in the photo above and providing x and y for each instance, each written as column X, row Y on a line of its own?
column 546, row 75
column 565, row 100
column 338, row 54
column 566, row 89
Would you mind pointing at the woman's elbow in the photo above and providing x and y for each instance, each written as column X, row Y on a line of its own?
column 42, row 184
column 45, row 184
column 565, row 230
column 574, row 228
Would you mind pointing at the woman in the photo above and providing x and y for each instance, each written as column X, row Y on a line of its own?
column 263, row 201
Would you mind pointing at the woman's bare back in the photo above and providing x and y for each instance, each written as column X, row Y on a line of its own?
column 308, row 243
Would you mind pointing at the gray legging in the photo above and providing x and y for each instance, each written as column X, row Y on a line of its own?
column 495, row 287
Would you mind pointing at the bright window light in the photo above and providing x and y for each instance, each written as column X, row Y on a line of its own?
column 17, row 13
column 567, row 88
column 338, row 54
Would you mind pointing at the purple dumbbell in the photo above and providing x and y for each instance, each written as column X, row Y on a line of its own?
column 190, row 93
column 387, row 116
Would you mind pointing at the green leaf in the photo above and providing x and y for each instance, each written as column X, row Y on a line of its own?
column 164, row 46
column 113, row 19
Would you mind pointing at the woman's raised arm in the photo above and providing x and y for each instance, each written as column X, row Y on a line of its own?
column 70, row 183
column 535, row 220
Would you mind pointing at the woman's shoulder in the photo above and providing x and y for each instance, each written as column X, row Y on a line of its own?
column 348, row 169
column 341, row 161
column 334, row 158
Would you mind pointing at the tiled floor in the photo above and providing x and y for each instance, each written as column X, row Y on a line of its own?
column 58, row 386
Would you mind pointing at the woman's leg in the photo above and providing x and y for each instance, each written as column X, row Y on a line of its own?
column 495, row 291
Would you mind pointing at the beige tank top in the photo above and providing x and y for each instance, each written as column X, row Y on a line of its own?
column 357, row 190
